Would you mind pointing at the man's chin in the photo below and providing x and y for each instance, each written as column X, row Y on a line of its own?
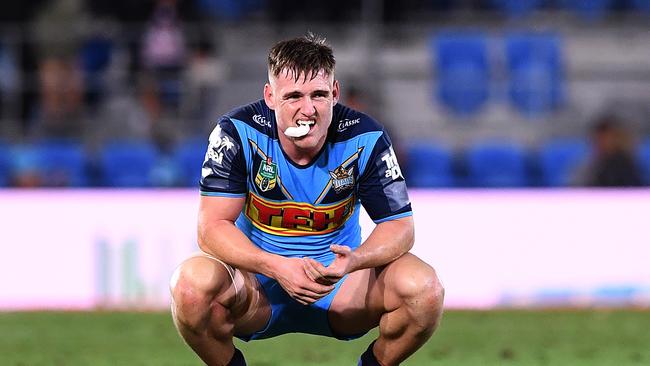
column 305, row 142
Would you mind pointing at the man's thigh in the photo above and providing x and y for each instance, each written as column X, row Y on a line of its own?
column 367, row 294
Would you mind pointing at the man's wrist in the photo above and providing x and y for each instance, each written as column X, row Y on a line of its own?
column 268, row 265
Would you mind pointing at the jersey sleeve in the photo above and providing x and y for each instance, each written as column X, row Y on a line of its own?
column 382, row 189
column 224, row 168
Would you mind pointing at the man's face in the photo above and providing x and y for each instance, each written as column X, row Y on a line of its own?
column 309, row 100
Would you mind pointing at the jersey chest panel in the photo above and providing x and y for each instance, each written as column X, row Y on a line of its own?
column 289, row 200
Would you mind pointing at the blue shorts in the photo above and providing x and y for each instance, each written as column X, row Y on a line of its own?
column 290, row 316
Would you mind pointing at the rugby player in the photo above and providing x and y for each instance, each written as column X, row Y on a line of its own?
column 282, row 184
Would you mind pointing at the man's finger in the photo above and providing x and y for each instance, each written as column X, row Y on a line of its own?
column 340, row 249
column 318, row 272
column 309, row 297
column 300, row 300
column 317, row 266
column 311, row 269
column 306, row 297
column 319, row 289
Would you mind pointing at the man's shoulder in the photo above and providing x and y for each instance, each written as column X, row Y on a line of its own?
column 349, row 123
column 256, row 115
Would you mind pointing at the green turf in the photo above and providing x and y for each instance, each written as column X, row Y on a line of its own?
column 597, row 337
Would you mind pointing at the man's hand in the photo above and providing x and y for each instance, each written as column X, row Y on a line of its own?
column 291, row 275
column 344, row 263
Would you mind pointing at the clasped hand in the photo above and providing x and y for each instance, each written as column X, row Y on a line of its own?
column 307, row 280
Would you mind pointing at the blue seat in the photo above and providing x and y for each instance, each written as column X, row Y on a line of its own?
column 189, row 156
column 4, row 165
column 536, row 72
column 61, row 163
column 429, row 166
column 496, row 164
column 588, row 9
column 95, row 56
column 128, row 164
column 517, row 8
column 229, row 9
column 643, row 156
column 560, row 159
column 642, row 5
column 25, row 166
column 463, row 71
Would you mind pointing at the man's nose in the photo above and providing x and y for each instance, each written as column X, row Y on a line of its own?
column 307, row 106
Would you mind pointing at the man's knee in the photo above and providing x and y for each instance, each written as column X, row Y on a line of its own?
column 195, row 285
column 417, row 286
column 423, row 286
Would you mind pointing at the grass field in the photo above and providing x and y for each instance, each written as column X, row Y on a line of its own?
column 595, row 337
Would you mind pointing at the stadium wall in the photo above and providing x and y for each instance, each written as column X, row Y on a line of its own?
column 116, row 249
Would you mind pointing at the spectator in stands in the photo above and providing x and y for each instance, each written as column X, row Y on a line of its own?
column 205, row 72
column 22, row 12
column 135, row 115
column 163, row 52
column 57, row 36
column 612, row 163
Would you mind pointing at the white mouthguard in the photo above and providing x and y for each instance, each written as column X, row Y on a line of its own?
column 300, row 131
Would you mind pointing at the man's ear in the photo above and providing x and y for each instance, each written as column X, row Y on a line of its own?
column 336, row 90
column 268, row 96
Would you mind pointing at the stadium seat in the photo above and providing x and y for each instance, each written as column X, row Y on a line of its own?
column 560, row 159
column 643, row 155
column 535, row 69
column 61, row 163
column 428, row 166
column 496, row 164
column 95, row 56
column 128, row 164
column 463, row 71
column 4, row 165
column 189, row 156
column 517, row 8
column 642, row 5
column 229, row 9
column 588, row 9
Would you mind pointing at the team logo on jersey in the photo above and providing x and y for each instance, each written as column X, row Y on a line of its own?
column 295, row 218
column 267, row 175
column 342, row 178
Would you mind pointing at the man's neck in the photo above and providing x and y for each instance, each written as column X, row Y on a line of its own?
column 298, row 155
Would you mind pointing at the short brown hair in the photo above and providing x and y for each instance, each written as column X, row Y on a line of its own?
column 304, row 55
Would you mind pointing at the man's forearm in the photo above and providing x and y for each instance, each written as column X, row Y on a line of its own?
column 225, row 241
column 388, row 241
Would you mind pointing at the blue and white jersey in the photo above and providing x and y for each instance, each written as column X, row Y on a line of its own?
column 299, row 210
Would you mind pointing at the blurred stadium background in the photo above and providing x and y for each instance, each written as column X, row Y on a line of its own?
column 523, row 129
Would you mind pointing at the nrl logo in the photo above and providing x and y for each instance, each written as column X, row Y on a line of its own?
column 342, row 179
column 267, row 175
